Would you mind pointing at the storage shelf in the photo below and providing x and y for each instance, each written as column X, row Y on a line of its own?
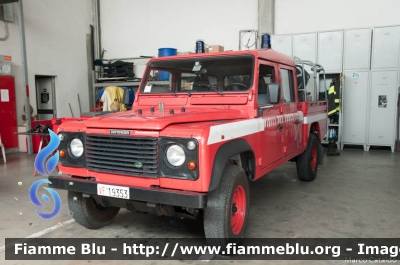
column 123, row 84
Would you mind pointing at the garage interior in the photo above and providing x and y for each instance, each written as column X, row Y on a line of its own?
column 67, row 45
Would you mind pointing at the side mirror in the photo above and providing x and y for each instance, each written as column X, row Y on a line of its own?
column 274, row 93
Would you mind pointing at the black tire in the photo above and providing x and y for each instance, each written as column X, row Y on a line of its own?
column 88, row 213
column 219, row 213
column 307, row 162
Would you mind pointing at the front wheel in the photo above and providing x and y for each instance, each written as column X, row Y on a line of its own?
column 307, row 162
column 226, row 215
column 88, row 213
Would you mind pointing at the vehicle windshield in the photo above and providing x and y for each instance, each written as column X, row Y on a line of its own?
column 200, row 75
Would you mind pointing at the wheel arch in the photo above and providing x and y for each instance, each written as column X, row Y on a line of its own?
column 315, row 129
column 224, row 153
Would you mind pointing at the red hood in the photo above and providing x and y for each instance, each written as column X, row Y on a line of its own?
column 155, row 121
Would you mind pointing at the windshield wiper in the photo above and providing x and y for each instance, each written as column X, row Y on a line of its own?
column 210, row 87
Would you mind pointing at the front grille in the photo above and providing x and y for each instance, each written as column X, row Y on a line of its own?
column 118, row 155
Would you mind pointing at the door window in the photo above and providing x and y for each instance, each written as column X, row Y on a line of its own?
column 266, row 77
column 287, row 85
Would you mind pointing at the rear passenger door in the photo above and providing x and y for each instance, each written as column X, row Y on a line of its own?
column 291, row 124
column 271, row 147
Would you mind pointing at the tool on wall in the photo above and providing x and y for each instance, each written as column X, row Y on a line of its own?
column 80, row 108
column 71, row 110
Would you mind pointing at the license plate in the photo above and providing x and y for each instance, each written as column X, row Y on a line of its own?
column 113, row 191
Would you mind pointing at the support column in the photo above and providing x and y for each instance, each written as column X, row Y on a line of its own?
column 96, row 28
column 25, row 74
column 266, row 18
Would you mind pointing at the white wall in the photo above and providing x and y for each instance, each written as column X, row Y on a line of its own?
column 293, row 16
column 55, row 33
column 130, row 28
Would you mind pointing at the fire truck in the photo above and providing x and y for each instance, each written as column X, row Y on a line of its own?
column 192, row 143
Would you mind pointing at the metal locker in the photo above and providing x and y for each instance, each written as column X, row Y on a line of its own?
column 283, row 44
column 355, row 106
column 385, row 47
column 357, row 49
column 305, row 46
column 383, row 107
column 330, row 50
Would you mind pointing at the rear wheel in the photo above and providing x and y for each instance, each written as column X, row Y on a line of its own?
column 226, row 215
column 307, row 162
column 88, row 213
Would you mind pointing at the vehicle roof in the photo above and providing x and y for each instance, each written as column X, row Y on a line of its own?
column 265, row 54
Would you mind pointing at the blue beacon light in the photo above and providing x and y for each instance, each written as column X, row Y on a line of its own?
column 265, row 41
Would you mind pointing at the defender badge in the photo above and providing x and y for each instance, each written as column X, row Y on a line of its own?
column 125, row 132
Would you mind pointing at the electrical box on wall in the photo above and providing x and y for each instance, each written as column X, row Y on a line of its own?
column 7, row 12
column 5, row 65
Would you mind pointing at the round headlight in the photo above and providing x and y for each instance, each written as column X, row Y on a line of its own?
column 76, row 147
column 176, row 155
column 191, row 145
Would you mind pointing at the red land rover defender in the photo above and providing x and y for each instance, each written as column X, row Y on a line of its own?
column 190, row 145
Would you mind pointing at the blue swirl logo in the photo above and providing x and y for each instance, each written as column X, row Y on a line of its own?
column 51, row 163
column 35, row 200
column 45, row 153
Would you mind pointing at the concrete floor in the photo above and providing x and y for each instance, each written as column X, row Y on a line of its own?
column 354, row 195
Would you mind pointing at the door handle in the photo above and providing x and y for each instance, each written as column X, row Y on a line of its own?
column 280, row 127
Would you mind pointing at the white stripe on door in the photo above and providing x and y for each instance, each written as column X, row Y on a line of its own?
column 233, row 130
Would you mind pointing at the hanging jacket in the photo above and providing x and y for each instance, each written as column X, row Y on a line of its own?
column 116, row 93
column 336, row 84
column 106, row 99
column 332, row 109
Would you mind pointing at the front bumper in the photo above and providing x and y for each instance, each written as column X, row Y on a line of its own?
column 151, row 195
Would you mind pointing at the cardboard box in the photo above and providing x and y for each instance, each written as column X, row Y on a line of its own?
column 215, row 48
column 187, row 86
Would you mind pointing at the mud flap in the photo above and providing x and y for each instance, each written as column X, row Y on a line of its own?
column 320, row 150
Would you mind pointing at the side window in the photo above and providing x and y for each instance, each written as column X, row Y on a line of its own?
column 287, row 85
column 266, row 76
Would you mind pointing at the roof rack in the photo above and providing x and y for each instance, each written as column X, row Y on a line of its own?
column 316, row 68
